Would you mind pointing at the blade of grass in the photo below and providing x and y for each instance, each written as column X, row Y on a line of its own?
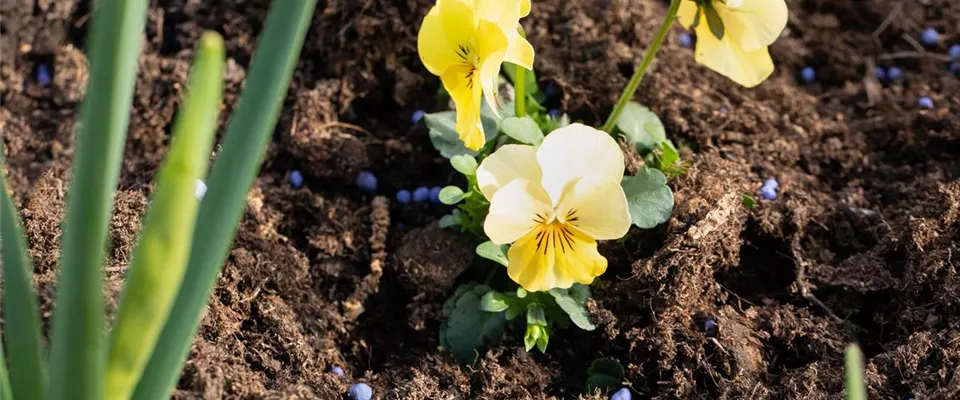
column 5, row 392
column 250, row 129
column 160, row 258
column 20, row 304
column 76, row 355
column 856, row 390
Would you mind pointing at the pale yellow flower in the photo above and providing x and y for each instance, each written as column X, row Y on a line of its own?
column 733, row 35
column 553, row 202
column 464, row 42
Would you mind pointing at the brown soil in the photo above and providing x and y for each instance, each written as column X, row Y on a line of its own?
column 859, row 246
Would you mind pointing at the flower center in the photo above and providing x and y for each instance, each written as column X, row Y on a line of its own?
column 555, row 231
column 470, row 59
column 556, row 235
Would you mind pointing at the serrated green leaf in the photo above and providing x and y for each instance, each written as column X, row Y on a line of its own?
column 468, row 328
column 451, row 195
column 641, row 127
column 494, row 301
column 649, row 198
column 572, row 301
column 524, row 130
column 604, row 374
column 465, row 164
column 494, row 252
column 443, row 131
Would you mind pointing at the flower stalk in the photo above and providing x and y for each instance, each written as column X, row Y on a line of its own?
column 642, row 68
column 520, row 92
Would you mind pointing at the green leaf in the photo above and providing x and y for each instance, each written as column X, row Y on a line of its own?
column 448, row 221
column 667, row 159
column 714, row 22
column 451, row 195
column 468, row 328
column 23, row 337
column 641, row 127
column 524, row 130
column 76, row 354
column 494, row 301
column 748, row 202
column 160, row 258
column 465, row 164
column 572, row 301
column 443, row 131
column 514, row 311
column 521, row 292
column 249, row 131
column 856, row 389
column 604, row 374
column 494, row 252
column 649, row 198
column 5, row 391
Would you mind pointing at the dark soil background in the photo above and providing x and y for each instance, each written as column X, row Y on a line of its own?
column 858, row 247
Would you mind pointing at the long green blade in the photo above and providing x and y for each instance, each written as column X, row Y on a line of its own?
column 5, row 392
column 19, row 305
column 248, row 133
column 160, row 259
column 77, row 356
column 856, row 389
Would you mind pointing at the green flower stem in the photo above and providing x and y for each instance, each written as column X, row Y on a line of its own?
column 644, row 64
column 520, row 92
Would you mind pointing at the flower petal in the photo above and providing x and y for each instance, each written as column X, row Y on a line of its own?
column 448, row 25
column 435, row 52
column 505, row 13
column 687, row 13
column 459, row 20
column 598, row 209
column 515, row 210
column 551, row 257
column 509, row 162
column 755, row 24
column 524, row 8
column 520, row 52
column 464, row 87
column 725, row 56
column 491, row 48
column 578, row 151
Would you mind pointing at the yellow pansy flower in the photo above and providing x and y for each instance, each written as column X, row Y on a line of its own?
column 733, row 35
column 553, row 202
column 464, row 42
